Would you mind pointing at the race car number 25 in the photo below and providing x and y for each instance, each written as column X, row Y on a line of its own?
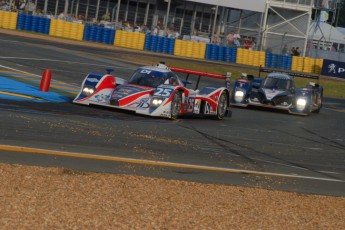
column 163, row 92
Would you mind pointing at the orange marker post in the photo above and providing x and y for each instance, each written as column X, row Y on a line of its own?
column 45, row 81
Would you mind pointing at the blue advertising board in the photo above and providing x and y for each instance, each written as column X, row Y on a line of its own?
column 333, row 68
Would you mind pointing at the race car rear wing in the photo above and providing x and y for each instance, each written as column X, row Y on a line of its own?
column 293, row 74
column 200, row 74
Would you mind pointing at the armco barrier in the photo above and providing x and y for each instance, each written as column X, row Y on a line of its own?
column 220, row 53
column 33, row 23
column 8, row 20
column 133, row 40
column 190, row 49
column 159, row 44
column 250, row 57
column 278, row 61
column 60, row 28
column 99, row 34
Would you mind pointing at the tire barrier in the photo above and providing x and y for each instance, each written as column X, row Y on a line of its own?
column 99, row 34
column 250, row 57
column 306, row 64
column 8, row 20
column 33, row 23
column 220, row 53
column 133, row 40
column 71, row 30
column 190, row 49
column 278, row 61
column 318, row 66
column 159, row 44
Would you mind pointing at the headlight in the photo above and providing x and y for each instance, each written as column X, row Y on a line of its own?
column 156, row 102
column 88, row 91
column 239, row 95
column 301, row 103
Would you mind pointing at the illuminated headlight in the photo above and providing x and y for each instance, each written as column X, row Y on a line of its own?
column 88, row 91
column 156, row 102
column 239, row 95
column 301, row 103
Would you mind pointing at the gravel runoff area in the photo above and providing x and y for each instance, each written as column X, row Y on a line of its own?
column 56, row 198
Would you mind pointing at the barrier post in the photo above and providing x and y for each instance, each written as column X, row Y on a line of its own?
column 45, row 81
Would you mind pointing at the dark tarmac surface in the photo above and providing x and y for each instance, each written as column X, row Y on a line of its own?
column 304, row 154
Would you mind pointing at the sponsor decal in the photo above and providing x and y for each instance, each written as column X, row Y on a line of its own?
column 333, row 68
column 271, row 93
column 102, row 98
column 197, row 104
column 143, row 103
column 167, row 86
column 165, row 113
column 190, row 105
column 92, row 79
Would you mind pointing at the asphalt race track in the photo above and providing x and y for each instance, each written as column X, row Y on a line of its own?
column 254, row 147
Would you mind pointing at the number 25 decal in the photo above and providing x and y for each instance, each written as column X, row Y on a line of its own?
column 163, row 92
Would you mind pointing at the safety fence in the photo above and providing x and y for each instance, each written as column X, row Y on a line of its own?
column 140, row 41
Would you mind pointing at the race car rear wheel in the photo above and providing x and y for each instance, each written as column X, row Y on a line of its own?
column 222, row 106
column 176, row 105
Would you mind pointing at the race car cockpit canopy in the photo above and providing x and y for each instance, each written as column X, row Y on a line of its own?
column 148, row 77
column 278, row 81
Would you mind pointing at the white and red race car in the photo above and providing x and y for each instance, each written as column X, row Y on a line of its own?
column 157, row 91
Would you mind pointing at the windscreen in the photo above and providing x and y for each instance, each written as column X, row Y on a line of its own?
column 276, row 83
column 146, row 77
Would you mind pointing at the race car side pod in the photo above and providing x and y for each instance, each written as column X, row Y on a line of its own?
column 198, row 73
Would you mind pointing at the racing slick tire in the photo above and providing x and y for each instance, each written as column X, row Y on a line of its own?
column 222, row 106
column 176, row 105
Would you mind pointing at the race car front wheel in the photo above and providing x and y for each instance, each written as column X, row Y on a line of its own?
column 222, row 106
column 176, row 105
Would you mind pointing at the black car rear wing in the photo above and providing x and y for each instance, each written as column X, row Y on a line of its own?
column 293, row 74
column 201, row 74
